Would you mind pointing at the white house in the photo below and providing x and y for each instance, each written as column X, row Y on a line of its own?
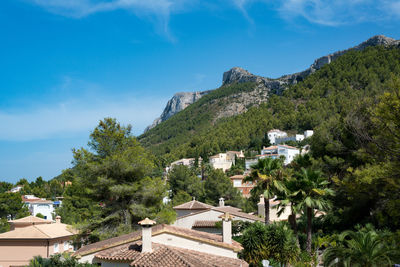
column 221, row 161
column 308, row 133
column 288, row 152
column 202, row 217
column 275, row 133
column 16, row 189
column 38, row 205
column 165, row 246
column 299, row 137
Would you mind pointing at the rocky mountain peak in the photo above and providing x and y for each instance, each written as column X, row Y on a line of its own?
column 378, row 40
column 177, row 103
column 238, row 75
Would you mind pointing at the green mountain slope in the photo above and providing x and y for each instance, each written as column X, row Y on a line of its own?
column 332, row 90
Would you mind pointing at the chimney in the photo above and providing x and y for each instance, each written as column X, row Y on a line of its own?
column 261, row 206
column 226, row 228
column 221, row 202
column 58, row 219
column 146, row 234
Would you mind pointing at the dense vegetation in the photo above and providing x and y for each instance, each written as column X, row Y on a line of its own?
column 351, row 176
column 330, row 92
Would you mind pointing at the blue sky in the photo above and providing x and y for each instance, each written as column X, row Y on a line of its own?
column 66, row 64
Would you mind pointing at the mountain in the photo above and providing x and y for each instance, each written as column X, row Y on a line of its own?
column 177, row 103
column 265, row 85
column 244, row 97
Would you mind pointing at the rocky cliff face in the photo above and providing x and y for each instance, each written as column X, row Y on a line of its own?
column 177, row 103
column 240, row 103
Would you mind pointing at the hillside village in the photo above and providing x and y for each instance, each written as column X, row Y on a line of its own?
column 308, row 175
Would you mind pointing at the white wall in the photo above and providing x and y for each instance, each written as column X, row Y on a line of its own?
column 44, row 209
column 181, row 242
column 211, row 215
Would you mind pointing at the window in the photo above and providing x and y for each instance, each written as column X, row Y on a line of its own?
column 55, row 247
column 66, row 245
column 237, row 183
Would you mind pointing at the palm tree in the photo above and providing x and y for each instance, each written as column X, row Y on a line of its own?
column 312, row 192
column 287, row 197
column 266, row 172
column 365, row 248
column 289, row 186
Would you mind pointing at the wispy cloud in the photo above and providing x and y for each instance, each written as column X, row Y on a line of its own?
column 330, row 12
column 158, row 11
column 77, row 115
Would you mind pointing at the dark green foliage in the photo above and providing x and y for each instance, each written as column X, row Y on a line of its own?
column 274, row 242
column 218, row 185
column 365, row 247
column 183, row 179
column 11, row 205
column 58, row 260
column 113, row 185
column 5, row 186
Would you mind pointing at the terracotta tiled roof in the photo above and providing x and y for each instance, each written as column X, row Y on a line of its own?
column 165, row 256
column 40, row 231
column 290, row 147
column 270, row 147
column 193, row 205
column 156, row 230
column 237, row 213
column 204, row 224
column 238, row 176
column 30, row 220
column 35, row 200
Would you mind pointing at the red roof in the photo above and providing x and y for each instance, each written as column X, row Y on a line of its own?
column 166, row 256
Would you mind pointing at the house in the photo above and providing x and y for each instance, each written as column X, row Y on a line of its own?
column 275, row 133
column 308, row 133
column 16, row 189
column 39, row 205
column 295, row 138
column 273, row 210
column 203, row 217
column 190, row 162
column 31, row 237
column 27, row 221
column 222, row 161
column 243, row 187
column 249, row 163
column 289, row 152
column 231, row 155
column 164, row 246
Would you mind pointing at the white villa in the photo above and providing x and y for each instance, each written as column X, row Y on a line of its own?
column 224, row 161
column 202, row 217
column 275, row 133
column 38, row 205
column 289, row 152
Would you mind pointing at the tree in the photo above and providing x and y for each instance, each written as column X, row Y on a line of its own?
column 218, row 185
column 266, row 172
column 364, row 248
column 5, row 186
column 313, row 192
column 58, row 260
column 289, row 186
column 273, row 242
column 116, row 178
column 11, row 206
column 182, row 178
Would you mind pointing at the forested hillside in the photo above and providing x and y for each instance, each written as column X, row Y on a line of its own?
column 334, row 89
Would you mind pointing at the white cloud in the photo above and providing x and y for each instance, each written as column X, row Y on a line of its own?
column 158, row 11
column 330, row 12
